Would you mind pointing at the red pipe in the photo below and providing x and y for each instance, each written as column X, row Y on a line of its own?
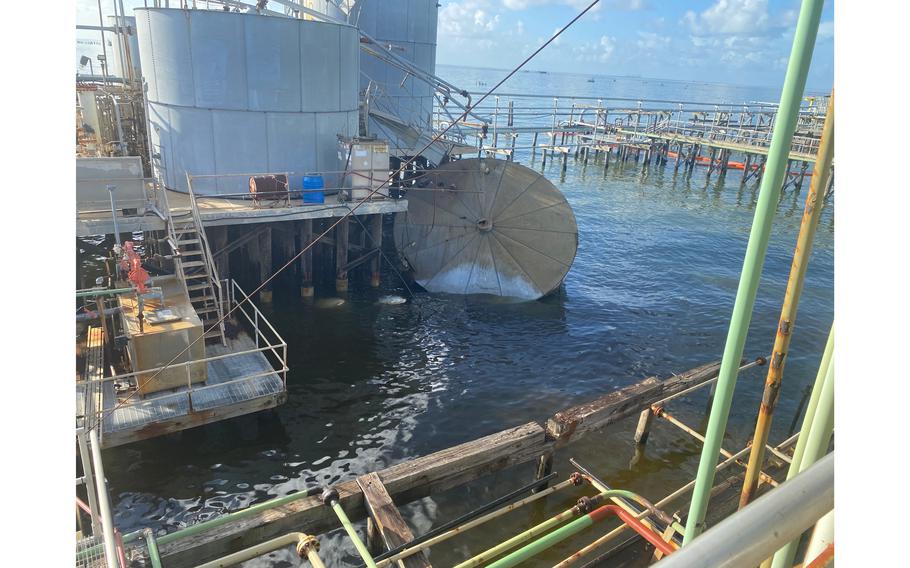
column 633, row 523
column 118, row 539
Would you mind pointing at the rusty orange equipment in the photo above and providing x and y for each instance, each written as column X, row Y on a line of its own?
column 132, row 262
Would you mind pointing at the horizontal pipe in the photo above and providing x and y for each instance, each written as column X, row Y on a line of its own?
column 576, row 526
column 662, row 503
column 256, row 550
column 754, row 532
column 471, row 524
column 538, row 530
column 467, row 516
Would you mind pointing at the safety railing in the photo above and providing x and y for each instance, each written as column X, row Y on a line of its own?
column 266, row 340
column 748, row 124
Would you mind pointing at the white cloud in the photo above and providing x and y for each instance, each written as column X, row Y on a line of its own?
column 651, row 40
column 826, row 30
column 595, row 51
column 730, row 17
column 469, row 19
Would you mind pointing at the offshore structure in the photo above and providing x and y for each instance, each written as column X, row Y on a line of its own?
column 231, row 139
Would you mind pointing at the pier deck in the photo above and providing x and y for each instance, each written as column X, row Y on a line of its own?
column 220, row 211
column 241, row 383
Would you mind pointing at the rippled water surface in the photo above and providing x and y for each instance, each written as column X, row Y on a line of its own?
column 650, row 293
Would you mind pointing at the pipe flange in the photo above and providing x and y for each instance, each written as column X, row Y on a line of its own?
column 577, row 479
column 329, row 494
column 585, row 505
column 307, row 543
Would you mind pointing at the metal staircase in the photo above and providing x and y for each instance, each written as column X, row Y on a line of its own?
column 196, row 267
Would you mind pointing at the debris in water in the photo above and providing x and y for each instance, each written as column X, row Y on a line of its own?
column 392, row 300
column 329, row 302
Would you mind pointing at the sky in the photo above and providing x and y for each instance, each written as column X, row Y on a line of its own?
column 745, row 42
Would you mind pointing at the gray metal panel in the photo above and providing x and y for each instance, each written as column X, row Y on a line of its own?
column 219, row 60
column 349, row 68
column 292, row 144
column 170, row 50
column 240, row 147
column 328, row 127
column 147, row 65
column 320, row 74
column 273, row 64
column 159, row 132
column 192, row 147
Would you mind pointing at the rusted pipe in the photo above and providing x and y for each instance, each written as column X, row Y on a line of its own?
column 576, row 526
column 801, row 255
column 660, row 412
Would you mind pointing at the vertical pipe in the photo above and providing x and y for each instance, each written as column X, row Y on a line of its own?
column 107, row 524
column 794, row 83
column 798, row 268
column 818, row 437
column 813, row 402
column 265, row 263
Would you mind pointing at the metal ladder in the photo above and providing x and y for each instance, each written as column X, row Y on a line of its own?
column 195, row 266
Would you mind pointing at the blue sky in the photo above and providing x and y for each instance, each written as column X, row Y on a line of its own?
column 733, row 41
column 744, row 42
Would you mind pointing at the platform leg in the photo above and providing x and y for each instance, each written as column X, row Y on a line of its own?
column 341, row 256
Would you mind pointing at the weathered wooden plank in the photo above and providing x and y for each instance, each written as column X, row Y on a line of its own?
column 191, row 420
column 405, row 482
column 579, row 420
column 387, row 520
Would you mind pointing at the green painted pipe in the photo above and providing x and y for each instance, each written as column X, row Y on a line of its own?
column 813, row 404
column 775, row 170
column 539, row 529
column 218, row 521
column 349, row 528
column 152, row 545
column 818, row 440
column 226, row 518
column 543, row 543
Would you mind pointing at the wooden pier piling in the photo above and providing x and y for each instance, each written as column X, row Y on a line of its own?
column 341, row 256
column 305, row 231
column 376, row 242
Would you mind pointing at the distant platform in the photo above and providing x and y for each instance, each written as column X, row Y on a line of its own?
column 219, row 211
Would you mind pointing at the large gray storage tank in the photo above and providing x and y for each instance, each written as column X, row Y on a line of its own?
column 409, row 26
column 237, row 93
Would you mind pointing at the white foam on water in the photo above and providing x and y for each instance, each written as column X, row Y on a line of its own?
column 391, row 300
column 483, row 280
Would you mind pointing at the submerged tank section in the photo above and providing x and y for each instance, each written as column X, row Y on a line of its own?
column 487, row 226
column 232, row 93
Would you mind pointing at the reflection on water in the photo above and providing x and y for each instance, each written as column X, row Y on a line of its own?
column 372, row 384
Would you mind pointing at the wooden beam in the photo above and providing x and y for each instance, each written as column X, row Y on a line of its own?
column 609, row 409
column 405, row 482
column 387, row 520
column 191, row 420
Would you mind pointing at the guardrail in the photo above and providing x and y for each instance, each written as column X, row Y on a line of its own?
column 267, row 341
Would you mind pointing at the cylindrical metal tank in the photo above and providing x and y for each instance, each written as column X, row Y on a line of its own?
column 409, row 26
column 237, row 93
column 128, row 23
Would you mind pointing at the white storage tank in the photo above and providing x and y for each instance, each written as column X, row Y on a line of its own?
column 409, row 26
column 237, row 93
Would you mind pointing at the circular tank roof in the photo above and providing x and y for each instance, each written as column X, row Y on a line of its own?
column 487, row 226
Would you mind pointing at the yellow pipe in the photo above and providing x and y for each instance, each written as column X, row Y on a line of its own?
column 304, row 543
column 801, row 255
